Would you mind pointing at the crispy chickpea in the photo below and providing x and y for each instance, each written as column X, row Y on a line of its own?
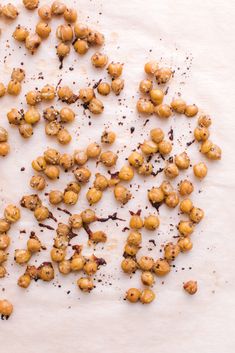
column 117, row 85
column 86, row 94
column 147, row 296
column 103, row 88
column 85, row 284
column 196, row 214
column 145, row 169
column 12, row 213
column 145, row 106
column 186, row 206
column 151, row 67
column 126, row 173
column 90, row 267
column 64, row 33
column 33, row 244
column 22, row 256
column 95, row 37
column 3, row 271
column 14, row 117
column 73, row 186
column 4, row 225
column 66, row 161
column 157, row 135
column 52, row 172
column 156, row 195
column 201, row 133
column 2, row 89
column 182, row 160
column 163, row 75
column 80, row 157
column 186, row 228
column 93, row 150
column 5, row 241
column 63, row 136
column 62, row 50
column 52, row 156
column 64, row 267
column 61, row 241
column 115, row 69
column 214, row 153
column 14, row 88
column 146, row 263
column 18, row 74
column 166, row 187
column 185, row 244
column 178, row 105
column 50, row 114
column 171, row 171
column 39, row 164
column 45, row 12
column 55, row 197
column 136, row 222
column 122, row 194
column 185, row 187
column 43, row 29
column 204, row 121
column 63, row 230
column 33, row 97
column 149, row 147
column 136, row 159
column 58, row 8
column 70, row 15
column 171, row 251
column 114, row 180
column 47, row 93
column 101, row 182
column 31, row 4
column 108, row 158
column 147, row 278
column 190, row 287
column 41, row 213
column 32, row 116
column 32, row 42
column 164, row 147
column 70, row 198
column 151, row 222
column 206, row 146
column 156, row 96
column 93, row 195
column 145, row 86
column 81, row 46
column 131, row 249
column 163, row 110
column 99, row 60
column 24, row 281
column 191, row 110
column 57, row 255
column 77, row 262
column 6, row 308
column 46, row 271
column 20, row 34
column 96, row 106
column 31, row 202
column 75, row 221
column 4, row 149
column 52, row 128
column 10, row 11
column 133, row 295
column 161, row 267
column 98, row 237
column 81, row 31
column 3, row 135
column 38, row 182
column 3, row 256
column 134, row 238
column 82, row 174
column 65, row 94
column 200, row 170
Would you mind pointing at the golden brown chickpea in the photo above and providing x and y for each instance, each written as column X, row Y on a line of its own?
column 62, row 50
column 191, row 110
column 166, row 187
column 2, row 89
column 147, row 278
column 114, row 180
column 93, row 195
column 136, row 159
column 63, row 136
column 55, row 197
column 45, row 12
column 96, row 106
column 5, row 241
column 70, row 15
column 171, row 171
column 157, row 135
column 156, row 96
column 129, row 265
column 163, row 75
column 57, row 255
column 52, row 172
column 20, row 34
column 52, row 156
column 4, row 225
column 151, row 222
column 98, row 237
column 73, row 186
column 77, row 262
column 122, row 194
column 133, row 295
column 115, row 69
column 196, row 214
column 90, row 267
column 33, row 244
column 185, row 187
column 12, row 213
column 156, row 195
column 82, row 174
column 64, row 33
column 147, row 296
column 38, row 182
column 204, row 121
column 186, row 228
column 101, row 182
column 39, row 164
column 24, row 281
column 81, row 31
column 31, row 202
column 163, row 110
column 145, row 106
column 10, row 11
column 161, row 267
column 186, row 206
column 164, row 147
column 41, row 213
column 50, row 114
column 185, row 244
column 6, row 308
column 18, row 74
column 14, row 117
column 75, row 221
column 65, row 94
column 85, row 284
column 95, row 37
column 64, row 267
column 63, row 230
column 31, row 4
column 47, row 93
column 182, row 160
column 131, row 249
column 201, row 133
column 108, row 158
column 58, row 8
column 151, row 67
column 190, row 287
column 70, row 198
column 206, row 146
column 149, row 147
column 46, row 271
column 145, row 86
column 86, row 94
column 32, row 271
column 4, row 149
column 99, row 60
column 3, row 256
column 3, row 271
column 117, row 85
column 214, row 153
column 66, row 161
column 146, row 169
column 52, row 128
column 22, row 256
column 32, row 116
column 103, row 88
column 200, row 170
column 146, row 263
column 33, row 97
column 178, row 105
column 32, row 42
column 136, row 222
column 134, row 238
column 93, row 150
column 61, row 241
column 126, row 173
column 14, row 88
column 81, row 46
column 171, row 251
column 43, row 29
column 80, row 157
column 3, row 135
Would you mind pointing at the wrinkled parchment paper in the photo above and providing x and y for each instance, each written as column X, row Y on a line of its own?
column 195, row 38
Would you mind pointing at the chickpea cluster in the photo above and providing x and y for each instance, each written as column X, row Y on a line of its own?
column 9, row 11
column 33, row 203
column 4, row 145
column 44, row 272
column 13, row 87
column 165, row 193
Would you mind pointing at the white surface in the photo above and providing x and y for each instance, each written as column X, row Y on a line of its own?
column 46, row 319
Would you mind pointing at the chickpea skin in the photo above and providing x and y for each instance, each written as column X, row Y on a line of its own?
column 136, row 222
column 151, row 222
column 147, row 278
column 6, row 308
column 115, row 69
column 43, row 29
column 134, row 238
column 190, row 287
column 157, row 135
column 171, row 171
column 145, row 106
column 161, row 267
column 14, row 88
column 171, row 251
column 186, row 228
column 145, row 86
column 147, row 296
column 99, row 60
column 70, row 15
column 200, row 170
column 104, row 88
column 12, row 213
column 164, row 147
column 20, row 34
column 196, row 214
column 85, row 284
column 133, row 295
column 32, row 42
column 82, row 174
column 191, row 110
column 156, row 195
column 136, row 159
column 122, row 194
column 151, row 67
column 126, row 173
column 163, row 75
column 22, row 256
column 45, row 12
column 117, row 85
column 178, row 105
column 186, row 206
column 96, row 106
column 108, row 158
column 185, row 244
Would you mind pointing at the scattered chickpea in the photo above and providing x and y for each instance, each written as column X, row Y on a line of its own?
column 52, row 172
column 145, row 169
column 134, row 238
column 122, row 194
column 46, row 271
column 52, row 128
column 65, row 94
column 63, row 230
column 126, row 173
column 70, row 15
column 191, row 110
column 185, row 187
column 33, row 97
column 77, row 263
column 33, row 244
column 5, row 241
column 31, row 202
column 58, row 8
column 136, row 222
column 151, row 222
column 85, row 284
column 45, row 12
column 18, row 74
column 147, row 296
column 186, row 228
column 145, row 86
column 96, row 106
column 201, row 133
column 178, row 105
column 108, row 158
column 20, row 34
column 131, row 249
column 12, row 213
column 171, row 171
column 103, row 88
column 3, row 256
column 182, row 160
column 86, row 94
column 22, row 256
column 10, row 11
column 163, row 75
column 81, row 46
column 147, row 278
column 157, row 135
column 50, row 114
column 38, row 182
column 151, row 67
column 161, row 267
column 163, row 110
column 171, row 251
column 80, row 157
column 101, row 182
column 41, row 213
column 93, row 150
column 196, row 214
column 186, row 206
column 24, row 281
column 115, row 69
column 204, row 121
column 156, row 195
column 6, row 308
column 117, row 85
column 62, row 50
column 31, row 4
column 82, row 174
column 190, row 287
column 166, row 187
column 39, row 164
column 149, row 147
column 75, row 221
column 172, row 200
column 14, row 88
column 63, row 136
column 81, row 31
column 145, row 106
column 146, row 263
column 93, row 195
column 185, row 244
column 206, row 146
column 156, row 96
column 64, row 33
column 214, row 153
column 66, row 161
column 4, row 225
column 70, row 198
column 136, row 159
column 43, row 29
column 64, row 267
column 14, row 117
column 2, row 89
column 200, row 170
column 55, row 197
column 32, row 42
column 32, row 116
column 133, row 295
column 52, row 156
column 47, row 93
column 57, row 255
column 3, row 271
column 3, row 135
column 99, row 60
column 164, row 147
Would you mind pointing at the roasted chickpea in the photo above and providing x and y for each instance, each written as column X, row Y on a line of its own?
column 117, row 85
column 52, row 172
column 32, row 42
column 62, row 50
column 63, row 230
column 147, row 296
column 156, row 195
column 161, row 267
column 93, row 195
column 3, row 256
column 88, row 216
column 164, row 147
column 81, row 46
column 14, row 117
column 126, row 173
column 151, row 222
column 185, row 187
column 149, row 147
column 191, row 110
column 52, row 156
column 38, row 182
column 136, row 222
column 66, row 161
column 43, row 29
column 190, row 287
column 65, row 94
column 33, row 97
column 95, row 38
column 136, row 159
column 171, row 251
column 10, row 11
column 145, row 86
column 14, row 88
column 156, row 96
column 70, row 15
column 64, row 33
column 58, row 8
column 122, row 194
column 33, row 244
column 46, row 271
column 196, row 214
column 200, row 170
column 186, row 206
column 108, row 158
column 99, row 60
column 178, row 105
column 185, row 244
column 55, row 197
column 101, row 182
column 3, row 135
column 93, row 150
column 50, row 114
column 145, row 106
column 39, row 164
column 103, row 88
column 201, row 133
column 18, row 74
column 20, row 34
column 32, row 116
column 3, row 271
column 61, row 241
column 146, row 169
column 166, row 187
column 57, row 255
column 82, row 174
column 85, row 284
column 131, row 249
column 81, row 31
column 133, row 295
column 98, row 237
column 52, row 128
column 163, row 110
column 90, row 267
column 206, row 146
column 80, row 157
column 214, row 153
column 4, row 225
column 31, row 202
column 157, row 135
column 12, row 213
column 186, row 228
column 45, row 12
column 47, row 93
column 96, row 106
column 4, row 149
column 151, row 67
column 73, row 186
column 6, row 308
column 86, row 94
column 24, row 281
column 2, row 89
column 70, row 198
column 41, row 213
column 75, row 221
column 31, row 4
column 22, row 256
column 182, row 160
column 64, row 267
column 115, row 69
column 5, row 241
column 134, row 238
column 147, row 278
column 163, row 75
column 146, row 263
column 204, row 121
column 171, row 171
column 63, row 136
